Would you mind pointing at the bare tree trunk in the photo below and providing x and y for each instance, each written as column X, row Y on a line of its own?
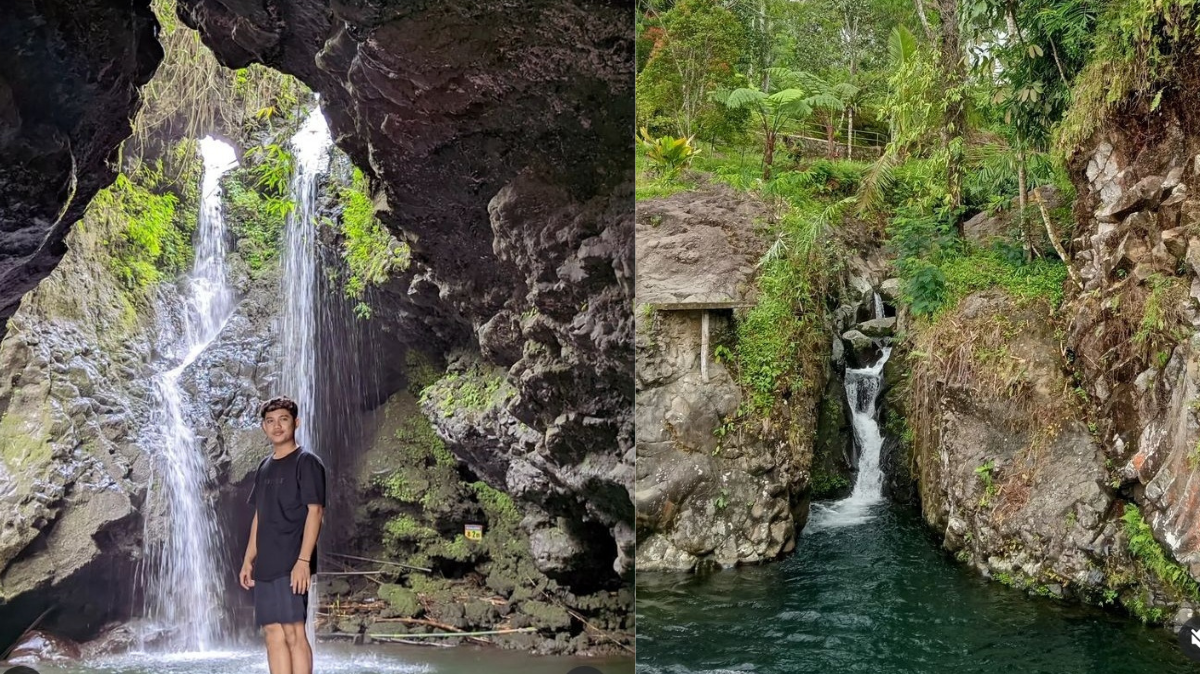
column 768, row 155
column 1054, row 241
column 1023, row 201
column 850, row 134
column 920, row 5
column 954, row 125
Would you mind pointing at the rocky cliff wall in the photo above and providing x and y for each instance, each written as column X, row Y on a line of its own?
column 69, row 79
column 499, row 141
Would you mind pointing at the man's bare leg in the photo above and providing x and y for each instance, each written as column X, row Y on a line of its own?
column 279, row 659
column 297, row 641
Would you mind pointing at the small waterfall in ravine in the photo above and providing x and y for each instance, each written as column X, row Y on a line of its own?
column 185, row 570
column 311, row 149
column 863, row 386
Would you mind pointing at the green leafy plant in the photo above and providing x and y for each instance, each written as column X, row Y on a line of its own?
column 141, row 230
column 1151, row 556
column 986, row 473
column 668, row 154
column 722, row 501
column 372, row 254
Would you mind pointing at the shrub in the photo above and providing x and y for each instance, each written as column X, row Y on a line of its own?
column 669, row 155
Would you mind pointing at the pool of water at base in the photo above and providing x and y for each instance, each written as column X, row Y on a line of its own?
column 878, row 596
column 348, row 659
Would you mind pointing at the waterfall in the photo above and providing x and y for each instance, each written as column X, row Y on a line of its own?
column 862, row 392
column 311, row 147
column 863, row 386
column 878, row 307
column 299, row 324
column 187, row 569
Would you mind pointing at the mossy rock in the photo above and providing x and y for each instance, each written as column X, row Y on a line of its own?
column 402, row 601
column 338, row 587
column 546, row 615
column 480, row 613
column 349, row 625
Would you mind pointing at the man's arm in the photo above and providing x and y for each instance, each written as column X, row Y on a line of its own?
column 251, row 555
column 301, row 572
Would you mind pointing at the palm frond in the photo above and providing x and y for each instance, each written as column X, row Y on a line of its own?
column 902, row 45
column 877, row 181
column 740, row 98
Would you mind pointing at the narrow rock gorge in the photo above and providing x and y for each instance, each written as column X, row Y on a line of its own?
column 472, row 334
column 1018, row 274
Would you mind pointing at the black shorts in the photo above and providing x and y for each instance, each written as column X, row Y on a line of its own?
column 274, row 602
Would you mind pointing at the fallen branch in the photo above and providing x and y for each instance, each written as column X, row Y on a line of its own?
column 349, row 573
column 1054, row 239
column 410, row 642
column 419, row 621
column 380, row 561
column 449, row 635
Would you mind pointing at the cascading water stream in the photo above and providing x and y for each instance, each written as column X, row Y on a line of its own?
column 310, row 147
column 862, row 392
column 311, row 151
column 878, row 306
column 184, row 593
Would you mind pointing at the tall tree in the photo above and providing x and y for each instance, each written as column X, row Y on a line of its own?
column 827, row 100
column 790, row 101
column 700, row 45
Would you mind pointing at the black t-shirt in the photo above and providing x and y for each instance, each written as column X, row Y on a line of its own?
column 283, row 490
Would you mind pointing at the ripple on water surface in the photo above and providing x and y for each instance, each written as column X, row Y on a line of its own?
column 880, row 597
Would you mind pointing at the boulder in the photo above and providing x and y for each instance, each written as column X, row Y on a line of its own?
column 890, row 290
column 1146, row 194
column 38, row 646
column 878, row 327
column 857, row 341
column 1176, row 242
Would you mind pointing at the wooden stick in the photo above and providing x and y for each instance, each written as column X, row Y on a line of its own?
column 410, row 642
column 419, row 621
column 349, row 573
column 1054, row 240
column 447, row 635
column 380, row 561
column 24, row 634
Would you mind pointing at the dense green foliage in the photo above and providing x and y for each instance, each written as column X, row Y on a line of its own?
column 145, row 230
column 371, row 253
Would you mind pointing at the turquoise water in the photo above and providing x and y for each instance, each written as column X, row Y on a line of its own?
column 880, row 597
column 346, row 659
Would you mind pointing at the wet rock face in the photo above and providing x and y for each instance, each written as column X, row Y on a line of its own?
column 1137, row 215
column 69, row 78
column 1007, row 474
column 704, row 500
column 72, row 471
column 705, row 497
column 498, row 136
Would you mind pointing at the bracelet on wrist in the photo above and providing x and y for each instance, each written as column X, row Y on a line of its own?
column 303, row 559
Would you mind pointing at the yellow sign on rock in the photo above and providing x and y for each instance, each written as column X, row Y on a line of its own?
column 474, row 532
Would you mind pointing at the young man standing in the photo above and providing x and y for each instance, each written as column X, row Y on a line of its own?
column 289, row 501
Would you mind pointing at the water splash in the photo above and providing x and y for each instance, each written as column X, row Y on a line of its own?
column 311, row 146
column 862, row 392
column 184, row 594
